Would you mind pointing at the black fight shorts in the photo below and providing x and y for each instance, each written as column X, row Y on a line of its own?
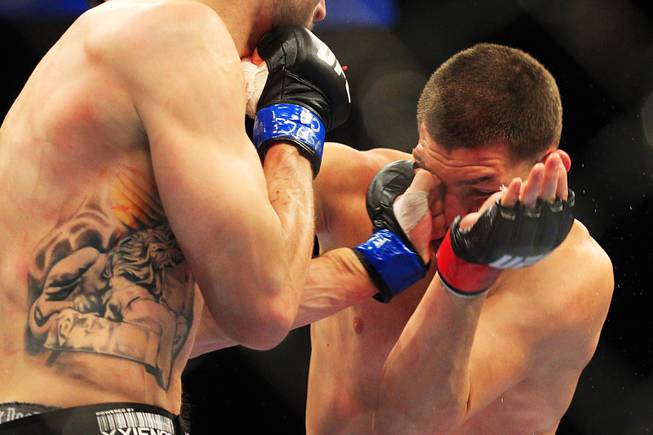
column 103, row 419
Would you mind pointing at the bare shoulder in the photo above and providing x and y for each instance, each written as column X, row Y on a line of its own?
column 340, row 190
column 574, row 288
column 591, row 278
column 345, row 169
column 134, row 35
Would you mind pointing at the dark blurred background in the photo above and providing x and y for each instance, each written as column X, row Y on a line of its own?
column 601, row 53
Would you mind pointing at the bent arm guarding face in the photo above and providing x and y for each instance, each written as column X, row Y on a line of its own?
column 245, row 234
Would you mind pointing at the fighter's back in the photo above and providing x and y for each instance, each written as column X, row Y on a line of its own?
column 96, row 302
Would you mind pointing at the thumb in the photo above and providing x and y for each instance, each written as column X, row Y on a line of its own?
column 255, row 77
column 424, row 181
column 409, row 209
column 412, row 213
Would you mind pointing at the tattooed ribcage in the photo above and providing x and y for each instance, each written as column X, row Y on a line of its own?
column 111, row 280
column 90, row 227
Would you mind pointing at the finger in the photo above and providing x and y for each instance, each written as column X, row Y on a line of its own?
column 552, row 168
column 256, row 58
column 531, row 189
column 566, row 160
column 469, row 220
column 410, row 208
column 424, row 181
column 562, row 190
column 490, row 201
column 510, row 195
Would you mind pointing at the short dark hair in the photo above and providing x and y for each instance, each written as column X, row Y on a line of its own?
column 93, row 3
column 492, row 93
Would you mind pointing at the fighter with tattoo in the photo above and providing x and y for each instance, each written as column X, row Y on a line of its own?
column 121, row 220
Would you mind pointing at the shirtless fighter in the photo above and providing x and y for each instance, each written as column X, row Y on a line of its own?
column 505, row 360
column 128, row 178
column 494, row 350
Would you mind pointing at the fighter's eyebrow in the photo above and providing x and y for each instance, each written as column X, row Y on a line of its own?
column 483, row 179
column 418, row 162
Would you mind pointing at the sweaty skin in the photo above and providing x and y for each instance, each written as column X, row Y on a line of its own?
column 531, row 343
column 117, row 163
column 537, row 330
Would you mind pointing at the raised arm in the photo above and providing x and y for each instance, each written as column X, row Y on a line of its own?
column 247, row 237
column 337, row 279
column 483, row 348
column 471, row 349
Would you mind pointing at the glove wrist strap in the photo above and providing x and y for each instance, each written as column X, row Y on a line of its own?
column 392, row 266
column 290, row 123
column 460, row 277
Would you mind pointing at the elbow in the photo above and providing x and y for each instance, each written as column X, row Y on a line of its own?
column 258, row 322
column 267, row 328
column 271, row 319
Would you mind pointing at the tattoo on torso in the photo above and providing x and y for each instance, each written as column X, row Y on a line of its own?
column 111, row 280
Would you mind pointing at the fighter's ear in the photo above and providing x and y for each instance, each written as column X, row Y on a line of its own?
column 566, row 160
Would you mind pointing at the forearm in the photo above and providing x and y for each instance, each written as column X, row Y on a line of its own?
column 290, row 189
column 435, row 346
column 336, row 280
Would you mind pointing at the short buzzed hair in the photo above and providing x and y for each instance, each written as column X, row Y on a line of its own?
column 492, row 93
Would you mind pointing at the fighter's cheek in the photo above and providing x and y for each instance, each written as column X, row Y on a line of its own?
column 436, row 205
column 438, row 227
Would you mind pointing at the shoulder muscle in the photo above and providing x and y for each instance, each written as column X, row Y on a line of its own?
column 347, row 170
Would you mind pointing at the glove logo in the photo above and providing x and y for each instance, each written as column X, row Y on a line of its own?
column 510, row 262
column 325, row 54
column 378, row 242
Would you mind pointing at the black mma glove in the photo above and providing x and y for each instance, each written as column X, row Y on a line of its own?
column 469, row 261
column 306, row 93
column 389, row 257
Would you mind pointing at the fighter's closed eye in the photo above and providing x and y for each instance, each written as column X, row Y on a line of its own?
column 484, row 193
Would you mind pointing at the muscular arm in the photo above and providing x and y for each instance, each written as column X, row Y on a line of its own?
column 336, row 280
column 246, row 235
column 473, row 351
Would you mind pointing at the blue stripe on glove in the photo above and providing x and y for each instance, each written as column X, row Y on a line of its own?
column 397, row 266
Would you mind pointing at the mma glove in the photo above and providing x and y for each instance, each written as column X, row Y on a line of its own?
column 306, row 93
column 470, row 260
column 389, row 257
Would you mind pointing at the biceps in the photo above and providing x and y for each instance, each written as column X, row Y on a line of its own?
column 499, row 361
column 217, row 207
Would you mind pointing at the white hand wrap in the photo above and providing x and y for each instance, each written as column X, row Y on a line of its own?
column 410, row 208
column 255, row 78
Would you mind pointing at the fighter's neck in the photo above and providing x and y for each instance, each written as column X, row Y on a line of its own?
column 245, row 20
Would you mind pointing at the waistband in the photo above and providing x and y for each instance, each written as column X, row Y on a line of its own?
column 100, row 419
